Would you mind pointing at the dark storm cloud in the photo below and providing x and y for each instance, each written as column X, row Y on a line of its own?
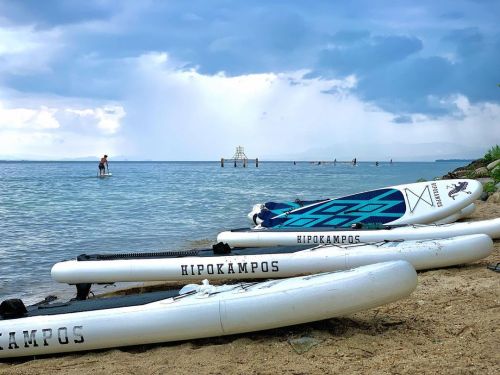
column 404, row 55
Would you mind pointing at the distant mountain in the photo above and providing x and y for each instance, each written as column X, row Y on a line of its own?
column 48, row 158
column 454, row 160
column 396, row 151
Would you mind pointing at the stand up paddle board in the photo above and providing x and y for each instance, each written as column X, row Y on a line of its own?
column 423, row 254
column 317, row 236
column 418, row 203
column 198, row 311
column 462, row 214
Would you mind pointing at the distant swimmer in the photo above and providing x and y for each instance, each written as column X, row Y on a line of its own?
column 376, row 163
column 103, row 164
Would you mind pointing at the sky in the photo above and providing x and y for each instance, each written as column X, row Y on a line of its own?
column 288, row 80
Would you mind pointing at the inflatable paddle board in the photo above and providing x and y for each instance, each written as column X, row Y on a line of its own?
column 317, row 236
column 418, row 203
column 462, row 214
column 198, row 311
column 422, row 254
column 104, row 175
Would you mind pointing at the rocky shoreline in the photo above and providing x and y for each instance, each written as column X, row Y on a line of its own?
column 485, row 171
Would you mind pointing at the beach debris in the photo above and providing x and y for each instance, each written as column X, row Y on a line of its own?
column 303, row 344
column 494, row 267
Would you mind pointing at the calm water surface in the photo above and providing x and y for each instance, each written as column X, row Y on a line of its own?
column 53, row 211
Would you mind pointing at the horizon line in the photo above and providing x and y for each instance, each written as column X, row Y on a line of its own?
column 240, row 160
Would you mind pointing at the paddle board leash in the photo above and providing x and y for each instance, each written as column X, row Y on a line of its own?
column 494, row 267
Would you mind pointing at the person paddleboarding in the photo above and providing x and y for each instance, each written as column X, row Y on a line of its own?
column 103, row 164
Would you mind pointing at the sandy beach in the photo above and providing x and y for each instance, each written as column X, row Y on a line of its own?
column 449, row 325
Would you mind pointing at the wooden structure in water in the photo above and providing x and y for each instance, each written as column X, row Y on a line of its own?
column 239, row 156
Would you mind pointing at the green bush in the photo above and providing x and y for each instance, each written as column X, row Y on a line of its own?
column 492, row 154
column 495, row 174
column 489, row 187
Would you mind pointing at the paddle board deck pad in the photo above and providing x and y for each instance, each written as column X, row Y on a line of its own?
column 319, row 236
column 104, row 175
column 422, row 254
column 418, row 203
column 198, row 311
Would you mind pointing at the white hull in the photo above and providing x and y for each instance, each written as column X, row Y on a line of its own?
column 270, row 237
column 462, row 214
column 213, row 312
column 423, row 254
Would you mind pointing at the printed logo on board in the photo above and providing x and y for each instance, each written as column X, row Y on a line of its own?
column 43, row 337
column 457, row 188
column 327, row 239
column 437, row 197
column 229, row 268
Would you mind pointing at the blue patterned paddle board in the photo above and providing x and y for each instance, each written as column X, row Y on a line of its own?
column 373, row 207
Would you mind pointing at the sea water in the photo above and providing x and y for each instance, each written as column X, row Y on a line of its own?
column 54, row 211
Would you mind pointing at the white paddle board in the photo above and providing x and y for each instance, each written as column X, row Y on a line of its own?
column 318, row 236
column 198, row 311
column 422, row 254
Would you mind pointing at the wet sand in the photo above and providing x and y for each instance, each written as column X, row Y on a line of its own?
column 449, row 325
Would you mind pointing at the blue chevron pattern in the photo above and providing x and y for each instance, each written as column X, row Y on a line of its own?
column 282, row 207
column 373, row 207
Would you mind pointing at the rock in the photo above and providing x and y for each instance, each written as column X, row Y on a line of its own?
column 484, row 196
column 303, row 344
column 494, row 198
column 448, row 176
column 493, row 164
column 482, row 172
column 474, row 165
column 497, row 187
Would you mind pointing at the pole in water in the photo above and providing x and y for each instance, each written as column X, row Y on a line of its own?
column 222, row 162
column 256, row 162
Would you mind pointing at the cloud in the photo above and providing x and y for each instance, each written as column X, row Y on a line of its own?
column 191, row 80
column 186, row 115
column 168, row 112
column 25, row 118
column 24, row 50
column 57, row 12
column 466, row 41
column 107, row 118
column 361, row 54
column 59, row 131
